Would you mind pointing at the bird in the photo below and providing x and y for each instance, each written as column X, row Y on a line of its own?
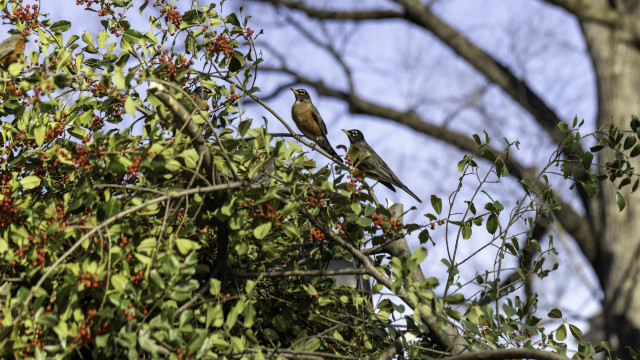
column 10, row 49
column 201, row 97
column 310, row 123
column 374, row 166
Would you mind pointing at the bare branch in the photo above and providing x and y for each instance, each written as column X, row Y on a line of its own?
column 500, row 354
column 595, row 11
column 270, row 274
column 337, row 15
column 420, row 15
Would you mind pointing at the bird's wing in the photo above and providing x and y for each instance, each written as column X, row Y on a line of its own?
column 8, row 47
column 318, row 119
column 375, row 163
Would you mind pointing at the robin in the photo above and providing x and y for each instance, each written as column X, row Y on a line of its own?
column 201, row 96
column 376, row 167
column 310, row 123
column 10, row 49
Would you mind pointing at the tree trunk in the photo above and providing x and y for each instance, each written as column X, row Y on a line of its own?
column 616, row 62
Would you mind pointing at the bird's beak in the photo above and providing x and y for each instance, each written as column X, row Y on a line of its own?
column 295, row 92
column 346, row 132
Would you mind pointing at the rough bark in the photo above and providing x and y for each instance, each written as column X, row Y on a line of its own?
column 615, row 61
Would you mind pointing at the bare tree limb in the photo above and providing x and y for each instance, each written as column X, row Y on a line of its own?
column 500, row 354
column 270, row 274
column 337, row 15
column 420, row 15
column 594, row 11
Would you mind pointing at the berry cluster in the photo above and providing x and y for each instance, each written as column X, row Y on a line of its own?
column 90, row 280
column 224, row 297
column 13, row 89
column 315, row 199
column 97, row 123
column 316, row 236
column 39, row 261
column 135, row 278
column 8, row 209
column 169, row 64
column 186, row 354
column 247, row 33
column 221, row 45
column 57, row 130
column 125, row 240
column 27, row 15
column 132, row 170
column 433, row 224
column 354, row 176
column 130, row 314
column 267, row 212
column 171, row 15
column 88, row 330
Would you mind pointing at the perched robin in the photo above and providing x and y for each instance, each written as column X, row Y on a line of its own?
column 376, row 167
column 310, row 123
column 201, row 96
column 10, row 49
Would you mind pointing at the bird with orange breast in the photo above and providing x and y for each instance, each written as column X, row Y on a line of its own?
column 10, row 49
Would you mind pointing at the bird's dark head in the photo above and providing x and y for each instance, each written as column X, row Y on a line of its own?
column 202, row 93
column 301, row 95
column 354, row 135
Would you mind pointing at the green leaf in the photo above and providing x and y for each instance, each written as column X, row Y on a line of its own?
column 636, row 151
column 30, row 182
column 492, row 224
column 561, row 333
column 575, row 332
column 130, row 106
column 466, row 230
column 528, row 186
column 589, row 188
column 477, row 139
column 290, row 230
column 620, row 201
column 16, row 68
column 555, row 314
column 564, row 128
column 185, row 246
column 423, row 236
column 132, row 36
column 587, row 160
column 233, row 314
column 261, row 231
column 102, row 38
column 454, row 299
column 39, row 133
column 436, row 202
column 190, row 157
column 112, row 207
column 118, row 78
column 60, row 26
column 629, row 142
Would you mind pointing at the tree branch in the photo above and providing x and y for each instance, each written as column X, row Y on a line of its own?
column 420, row 15
column 337, row 15
column 594, row 11
column 501, row 354
column 271, row 274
